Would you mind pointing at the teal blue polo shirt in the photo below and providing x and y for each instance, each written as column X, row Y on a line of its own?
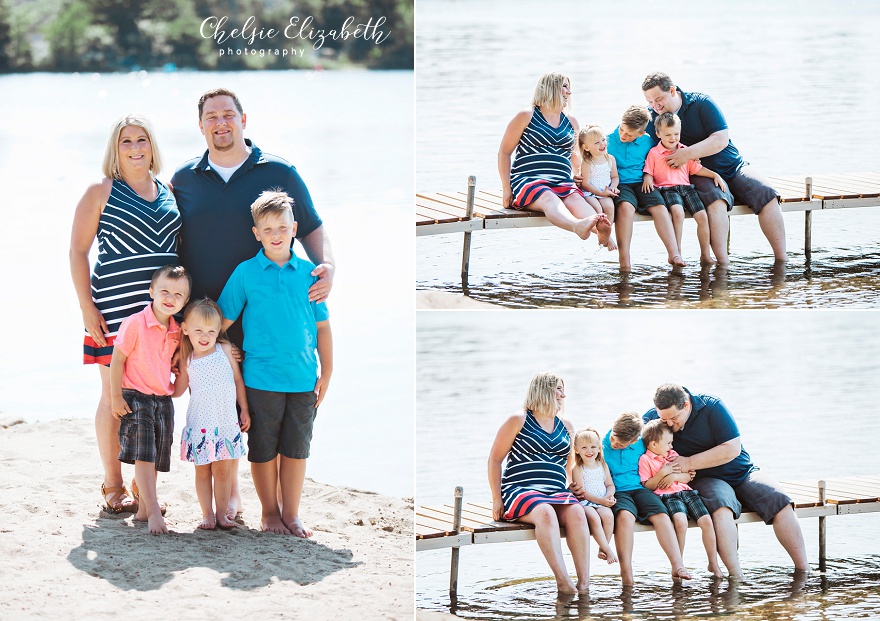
column 623, row 463
column 280, row 324
column 630, row 156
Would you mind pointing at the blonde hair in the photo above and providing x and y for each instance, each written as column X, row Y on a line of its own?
column 273, row 201
column 206, row 310
column 548, row 92
column 110, row 166
column 636, row 117
column 581, row 434
column 541, row 396
column 587, row 133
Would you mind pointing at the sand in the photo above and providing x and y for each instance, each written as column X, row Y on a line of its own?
column 61, row 557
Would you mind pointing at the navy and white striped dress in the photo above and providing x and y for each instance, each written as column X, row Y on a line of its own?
column 135, row 238
column 535, row 470
column 542, row 162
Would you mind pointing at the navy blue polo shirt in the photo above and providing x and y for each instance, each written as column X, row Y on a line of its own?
column 216, row 232
column 709, row 425
column 701, row 117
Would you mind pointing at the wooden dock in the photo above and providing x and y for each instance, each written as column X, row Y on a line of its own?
column 470, row 524
column 469, row 211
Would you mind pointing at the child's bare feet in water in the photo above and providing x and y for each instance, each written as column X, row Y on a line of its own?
column 209, row 522
column 566, row 586
column 274, row 525
column 677, row 261
column 297, row 528
column 707, row 260
column 715, row 570
column 680, row 574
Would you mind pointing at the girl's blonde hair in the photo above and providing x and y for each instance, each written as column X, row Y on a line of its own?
column 548, row 92
column 207, row 310
column 590, row 132
column 110, row 167
column 581, row 434
column 541, row 396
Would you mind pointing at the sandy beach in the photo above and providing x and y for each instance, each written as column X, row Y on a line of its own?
column 62, row 557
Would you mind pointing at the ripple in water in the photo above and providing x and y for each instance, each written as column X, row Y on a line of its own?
column 848, row 590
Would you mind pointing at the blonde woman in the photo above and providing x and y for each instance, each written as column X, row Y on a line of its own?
column 134, row 218
column 533, row 487
column 541, row 140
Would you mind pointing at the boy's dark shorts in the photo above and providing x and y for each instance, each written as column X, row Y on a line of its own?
column 147, row 433
column 642, row 503
column 686, row 501
column 684, row 195
column 632, row 194
column 757, row 493
column 281, row 422
column 748, row 187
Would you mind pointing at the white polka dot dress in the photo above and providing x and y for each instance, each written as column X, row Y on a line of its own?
column 212, row 432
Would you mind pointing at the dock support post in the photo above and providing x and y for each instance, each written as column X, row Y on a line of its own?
column 808, row 223
column 466, row 248
column 822, row 528
column 456, row 526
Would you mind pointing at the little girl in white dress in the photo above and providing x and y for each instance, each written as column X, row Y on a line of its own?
column 212, row 436
column 591, row 469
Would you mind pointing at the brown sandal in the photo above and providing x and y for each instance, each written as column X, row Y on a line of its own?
column 120, row 493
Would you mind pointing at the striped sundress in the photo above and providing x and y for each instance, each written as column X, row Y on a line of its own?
column 135, row 238
column 542, row 162
column 535, row 471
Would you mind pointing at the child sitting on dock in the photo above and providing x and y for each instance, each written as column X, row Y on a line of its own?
column 590, row 468
column 599, row 173
column 680, row 499
column 674, row 183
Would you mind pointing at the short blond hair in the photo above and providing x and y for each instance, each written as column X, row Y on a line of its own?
column 636, row 117
column 110, row 167
column 274, row 201
column 587, row 133
column 541, row 396
column 548, row 92
column 581, row 434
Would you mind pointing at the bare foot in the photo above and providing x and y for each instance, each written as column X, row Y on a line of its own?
column 566, row 587
column 141, row 515
column 681, row 574
column 296, row 527
column 677, row 261
column 583, row 586
column 610, row 556
column 234, row 510
column 157, row 525
column 715, row 571
column 602, row 556
column 224, row 522
column 209, row 522
column 603, row 230
column 274, row 525
column 583, row 227
column 707, row 260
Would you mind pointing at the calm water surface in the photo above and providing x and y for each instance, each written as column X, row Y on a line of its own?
column 802, row 387
column 350, row 136
column 795, row 80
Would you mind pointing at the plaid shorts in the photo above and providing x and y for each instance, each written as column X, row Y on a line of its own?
column 146, row 434
column 684, row 195
column 686, row 501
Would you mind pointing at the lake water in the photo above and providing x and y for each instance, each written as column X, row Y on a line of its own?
column 802, row 387
column 796, row 81
column 350, row 135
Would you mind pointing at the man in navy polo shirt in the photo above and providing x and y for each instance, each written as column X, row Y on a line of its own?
column 706, row 437
column 704, row 132
column 214, row 195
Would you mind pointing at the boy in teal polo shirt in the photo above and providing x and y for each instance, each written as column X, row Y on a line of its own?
column 283, row 332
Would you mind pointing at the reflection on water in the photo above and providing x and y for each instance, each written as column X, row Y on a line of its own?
column 474, row 74
column 848, row 590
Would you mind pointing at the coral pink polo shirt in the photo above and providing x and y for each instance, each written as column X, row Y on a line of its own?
column 650, row 464
column 149, row 347
column 664, row 175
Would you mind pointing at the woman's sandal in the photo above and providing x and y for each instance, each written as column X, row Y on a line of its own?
column 119, row 492
column 135, row 493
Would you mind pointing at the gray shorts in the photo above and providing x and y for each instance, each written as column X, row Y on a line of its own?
column 642, row 503
column 748, row 187
column 758, row 493
column 632, row 193
column 146, row 434
column 281, row 422
column 684, row 195
column 686, row 501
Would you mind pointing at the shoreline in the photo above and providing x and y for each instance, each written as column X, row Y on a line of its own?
column 72, row 560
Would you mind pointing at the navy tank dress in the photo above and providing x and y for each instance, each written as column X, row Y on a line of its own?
column 135, row 238
column 542, row 162
column 535, row 470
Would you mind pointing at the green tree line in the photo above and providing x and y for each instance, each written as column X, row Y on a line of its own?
column 121, row 35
